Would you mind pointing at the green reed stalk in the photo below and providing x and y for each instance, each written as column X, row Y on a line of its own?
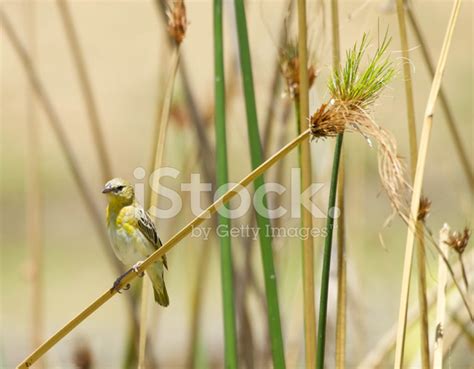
column 230, row 334
column 263, row 223
column 323, row 302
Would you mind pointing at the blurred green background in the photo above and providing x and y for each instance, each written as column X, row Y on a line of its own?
column 127, row 56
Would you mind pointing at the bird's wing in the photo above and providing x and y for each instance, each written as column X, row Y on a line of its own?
column 148, row 229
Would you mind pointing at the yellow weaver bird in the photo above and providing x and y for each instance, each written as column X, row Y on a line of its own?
column 133, row 235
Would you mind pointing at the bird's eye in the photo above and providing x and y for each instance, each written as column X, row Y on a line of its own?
column 119, row 188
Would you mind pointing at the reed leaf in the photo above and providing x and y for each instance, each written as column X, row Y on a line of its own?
column 273, row 313
column 230, row 334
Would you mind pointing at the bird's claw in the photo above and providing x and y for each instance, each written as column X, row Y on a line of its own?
column 116, row 285
column 135, row 268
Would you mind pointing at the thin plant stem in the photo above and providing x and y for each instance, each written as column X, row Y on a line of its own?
column 386, row 344
column 341, row 241
column 196, row 303
column 341, row 307
column 145, row 293
column 273, row 309
column 206, row 152
column 418, row 181
column 452, row 126
column 153, row 194
column 33, row 185
column 173, row 241
column 323, row 302
column 227, row 281
column 305, row 164
column 410, row 107
column 197, row 120
column 441, row 299
column 422, row 299
column 86, row 89
column 164, row 120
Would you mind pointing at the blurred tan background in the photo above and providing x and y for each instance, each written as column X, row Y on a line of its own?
column 126, row 53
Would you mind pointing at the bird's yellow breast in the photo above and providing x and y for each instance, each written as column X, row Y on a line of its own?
column 127, row 220
column 128, row 243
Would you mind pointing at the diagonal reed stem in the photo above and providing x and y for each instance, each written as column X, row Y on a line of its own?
column 420, row 257
column 227, row 280
column 418, row 182
column 452, row 126
column 173, row 241
column 306, row 221
column 86, row 89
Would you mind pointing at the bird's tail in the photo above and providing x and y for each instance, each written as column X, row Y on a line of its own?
column 155, row 272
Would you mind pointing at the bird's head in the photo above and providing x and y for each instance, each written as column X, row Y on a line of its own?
column 119, row 192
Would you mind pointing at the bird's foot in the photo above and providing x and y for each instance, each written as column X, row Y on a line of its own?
column 116, row 285
column 136, row 266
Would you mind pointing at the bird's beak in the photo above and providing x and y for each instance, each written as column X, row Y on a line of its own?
column 107, row 189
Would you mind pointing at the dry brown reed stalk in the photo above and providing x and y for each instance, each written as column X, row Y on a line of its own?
column 33, row 193
column 177, row 24
column 172, row 242
column 417, row 185
column 199, row 123
column 420, row 257
column 441, row 299
column 197, row 119
column 452, row 125
column 300, row 91
column 86, row 89
column 164, row 120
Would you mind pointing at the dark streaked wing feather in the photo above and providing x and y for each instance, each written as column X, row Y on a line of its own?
column 147, row 227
